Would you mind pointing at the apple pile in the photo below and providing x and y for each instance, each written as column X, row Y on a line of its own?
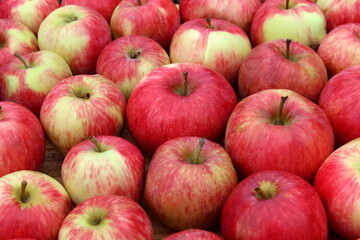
column 244, row 118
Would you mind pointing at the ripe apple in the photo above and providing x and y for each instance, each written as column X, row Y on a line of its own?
column 216, row 44
column 340, row 49
column 278, row 129
column 107, row 217
column 79, row 107
column 15, row 37
column 340, row 100
column 30, row 13
column 22, row 141
column 32, row 205
column 338, row 185
column 283, row 64
column 103, row 165
column 274, row 205
column 76, row 33
column 28, row 79
column 127, row 59
column 157, row 19
column 188, row 181
column 180, row 99
column 299, row 20
column 193, row 234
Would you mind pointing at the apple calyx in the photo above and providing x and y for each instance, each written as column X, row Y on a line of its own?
column 279, row 120
column 208, row 20
column 196, row 159
column 134, row 54
column 261, row 194
column 98, row 145
column 95, row 220
column 287, row 51
column 21, row 59
column 23, row 197
column 84, row 95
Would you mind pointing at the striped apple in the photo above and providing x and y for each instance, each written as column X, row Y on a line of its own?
column 193, row 234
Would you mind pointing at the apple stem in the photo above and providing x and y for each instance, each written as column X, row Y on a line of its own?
column 185, row 78
column 84, row 95
column 95, row 220
column 287, row 4
column 21, row 59
column 208, row 20
column 287, row 53
column 23, row 196
column 97, row 144
column 139, row 2
column 279, row 119
column 198, row 151
column 259, row 193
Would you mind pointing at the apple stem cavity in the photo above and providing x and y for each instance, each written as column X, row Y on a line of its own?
column 23, row 196
column 287, row 53
column 279, row 119
column 84, row 95
column 134, row 54
column 259, row 193
column 198, row 151
column 95, row 220
column 21, row 59
column 208, row 20
column 97, row 144
column 185, row 78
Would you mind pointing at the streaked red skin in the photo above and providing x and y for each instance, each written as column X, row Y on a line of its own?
column 340, row 100
column 41, row 221
column 193, row 234
column 267, row 68
column 125, row 219
column 146, row 20
column 294, row 212
column 6, row 51
column 300, row 146
column 104, row 7
column 229, row 10
column 155, row 113
column 9, row 9
column 22, row 141
column 132, row 158
column 340, row 49
column 337, row 183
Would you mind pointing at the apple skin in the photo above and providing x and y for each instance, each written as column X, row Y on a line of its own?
column 22, row 141
column 156, row 111
column 30, row 13
column 15, row 37
column 266, row 67
column 76, row 33
column 338, row 184
column 193, row 234
column 340, row 12
column 118, row 168
column 299, row 146
column 303, row 22
column 43, row 213
column 293, row 211
column 121, row 218
column 186, row 194
column 119, row 62
column 29, row 86
column 105, row 8
column 68, row 118
column 340, row 100
column 157, row 19
column 222, row 48
column 340, row 49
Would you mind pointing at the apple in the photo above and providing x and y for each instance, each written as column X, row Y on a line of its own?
column 28, row 79
column 188, row 181
column 103, row 165
column 79, row 107
column 299, row 20
column 107, row 217
column 278, row 129
column 15, row 37
column 283, row 64
column 340, row 49
column 104, row 7
column 32, row 205
column 340, row 12
column 193, row 234
column 127, row 59
column 76, row 33
column 229, row 10
column 216, row 44
column 180, row 99
column 30, row 13
column 338, row 185
column 340, row 100
column 157, row 19
column 22, row 141
column 274, row 205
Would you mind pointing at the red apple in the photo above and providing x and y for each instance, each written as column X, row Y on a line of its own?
column 176, row 100
column 274, row 205
column 32, row 205
column 79, row 107
column 338, row 185
column 216, row 44
column 127, row 59
column 340, row 100
column 107, row 217
column 278, row 129
column 193, row 234
column 283, row 64
column 22, row 142
column 188, row 181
